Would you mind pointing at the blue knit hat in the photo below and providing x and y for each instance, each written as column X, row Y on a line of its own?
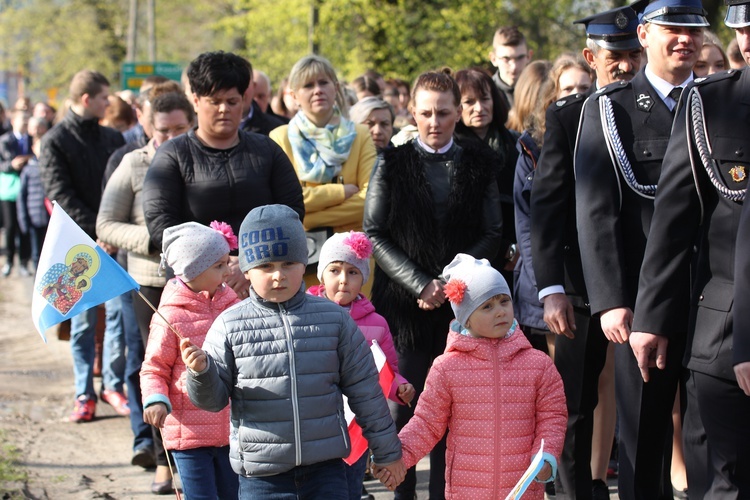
column 271, row 233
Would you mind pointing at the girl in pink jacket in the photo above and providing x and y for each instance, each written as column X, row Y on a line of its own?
column 197, row 439
column 497, row 395
column 343, row 267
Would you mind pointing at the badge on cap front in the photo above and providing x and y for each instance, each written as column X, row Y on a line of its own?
column 644, row 102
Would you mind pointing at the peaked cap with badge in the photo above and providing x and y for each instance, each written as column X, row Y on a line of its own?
column 614, row 29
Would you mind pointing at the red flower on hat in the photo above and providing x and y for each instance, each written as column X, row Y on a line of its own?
column 226, row 230
column 455, row 290
column 360, row 244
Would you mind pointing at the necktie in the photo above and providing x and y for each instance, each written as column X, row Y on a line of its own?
column 675, row 93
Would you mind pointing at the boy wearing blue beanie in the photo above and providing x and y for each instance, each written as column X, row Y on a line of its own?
column 285, row 358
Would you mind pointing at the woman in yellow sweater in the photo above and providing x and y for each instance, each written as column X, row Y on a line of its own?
column 333, row 157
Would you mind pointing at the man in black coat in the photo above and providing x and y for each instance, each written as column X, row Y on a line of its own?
column 255, row 119
column 698, row 205
column 613, row 51
column 624, row 134
column 72, row 161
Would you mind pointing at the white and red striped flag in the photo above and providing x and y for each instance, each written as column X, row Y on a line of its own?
column 386, row 375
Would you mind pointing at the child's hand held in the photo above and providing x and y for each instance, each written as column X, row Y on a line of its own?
column 155, row 415
column 406, row 393
column 193, row 357
column 545, row 473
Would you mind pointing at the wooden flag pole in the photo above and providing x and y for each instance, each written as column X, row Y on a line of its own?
column 160, row 315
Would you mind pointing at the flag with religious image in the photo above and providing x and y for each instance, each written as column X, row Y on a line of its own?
column 386, row 377
column 74, row 274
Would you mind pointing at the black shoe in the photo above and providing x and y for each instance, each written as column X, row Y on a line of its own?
column 143, row 457
column 162, row 488
column 599, row 490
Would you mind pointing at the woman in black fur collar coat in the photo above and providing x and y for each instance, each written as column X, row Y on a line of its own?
column 429, row 200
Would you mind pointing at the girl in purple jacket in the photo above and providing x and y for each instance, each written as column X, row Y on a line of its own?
column 343, row 268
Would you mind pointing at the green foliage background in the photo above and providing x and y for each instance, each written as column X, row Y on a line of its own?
column 49, row 40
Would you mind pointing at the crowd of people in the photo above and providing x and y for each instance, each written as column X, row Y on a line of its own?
column 545, row 252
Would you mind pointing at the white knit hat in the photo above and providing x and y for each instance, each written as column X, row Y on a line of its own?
column 191, row 248
column 469, row 283
column 353, row 248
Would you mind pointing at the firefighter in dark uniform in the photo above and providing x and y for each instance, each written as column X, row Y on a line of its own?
column 614, row 52
column 699, row 205
column 624, row 134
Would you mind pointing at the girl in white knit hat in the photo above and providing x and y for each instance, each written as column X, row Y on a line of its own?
column 343, row 268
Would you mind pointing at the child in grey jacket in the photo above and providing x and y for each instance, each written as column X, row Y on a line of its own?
column 285, row 359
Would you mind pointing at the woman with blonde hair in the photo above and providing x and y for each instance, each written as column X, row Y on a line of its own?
column 332, row 155
column 713, row 58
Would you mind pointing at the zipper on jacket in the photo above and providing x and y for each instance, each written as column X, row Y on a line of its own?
column 226, row 158
column 293, row 381
column 498, row 411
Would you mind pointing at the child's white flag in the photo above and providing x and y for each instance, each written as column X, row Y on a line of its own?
column 74, row 274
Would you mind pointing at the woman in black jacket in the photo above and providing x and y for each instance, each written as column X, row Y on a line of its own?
column 483, row 117
column 216, row 171
column 428, row 201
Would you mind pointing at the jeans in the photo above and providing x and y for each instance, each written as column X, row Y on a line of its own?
column 82, row 338
column 113, row 354
column 82, row 332
column 36, row 235
column 206, row 474
column 321, row 481
column 143, row 315
column 355, row 476
column 142, row 437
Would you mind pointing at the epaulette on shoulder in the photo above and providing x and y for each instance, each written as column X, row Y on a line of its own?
column 568, row 100
column 717, row 77
column 611, row 88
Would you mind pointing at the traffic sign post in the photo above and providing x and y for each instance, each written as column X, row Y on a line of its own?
column 133, row 74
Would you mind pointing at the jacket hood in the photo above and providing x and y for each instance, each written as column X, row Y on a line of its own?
column 177, row 292
column 358, row 309
column 484, row 348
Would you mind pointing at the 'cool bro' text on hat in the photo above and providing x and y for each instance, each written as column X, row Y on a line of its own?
column 271, row 233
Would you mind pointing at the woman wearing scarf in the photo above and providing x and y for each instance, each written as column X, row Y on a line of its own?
column 333, row 157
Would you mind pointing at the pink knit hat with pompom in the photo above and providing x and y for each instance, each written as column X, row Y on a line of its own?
column 353, row 248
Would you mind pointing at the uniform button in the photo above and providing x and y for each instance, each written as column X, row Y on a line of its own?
column 701, row 297
column 647, row 152
column 739, row 153
column 567, row 247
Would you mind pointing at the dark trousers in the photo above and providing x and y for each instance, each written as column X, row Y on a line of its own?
column 414, row 364
column 725, row 412
column 142, row 433
column 694, row 439
column 36, row 238
column 143, row 315
column 645, row 420
column 580, row 361
column 13, row 234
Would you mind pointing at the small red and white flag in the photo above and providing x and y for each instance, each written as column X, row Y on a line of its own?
column 386, row 376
